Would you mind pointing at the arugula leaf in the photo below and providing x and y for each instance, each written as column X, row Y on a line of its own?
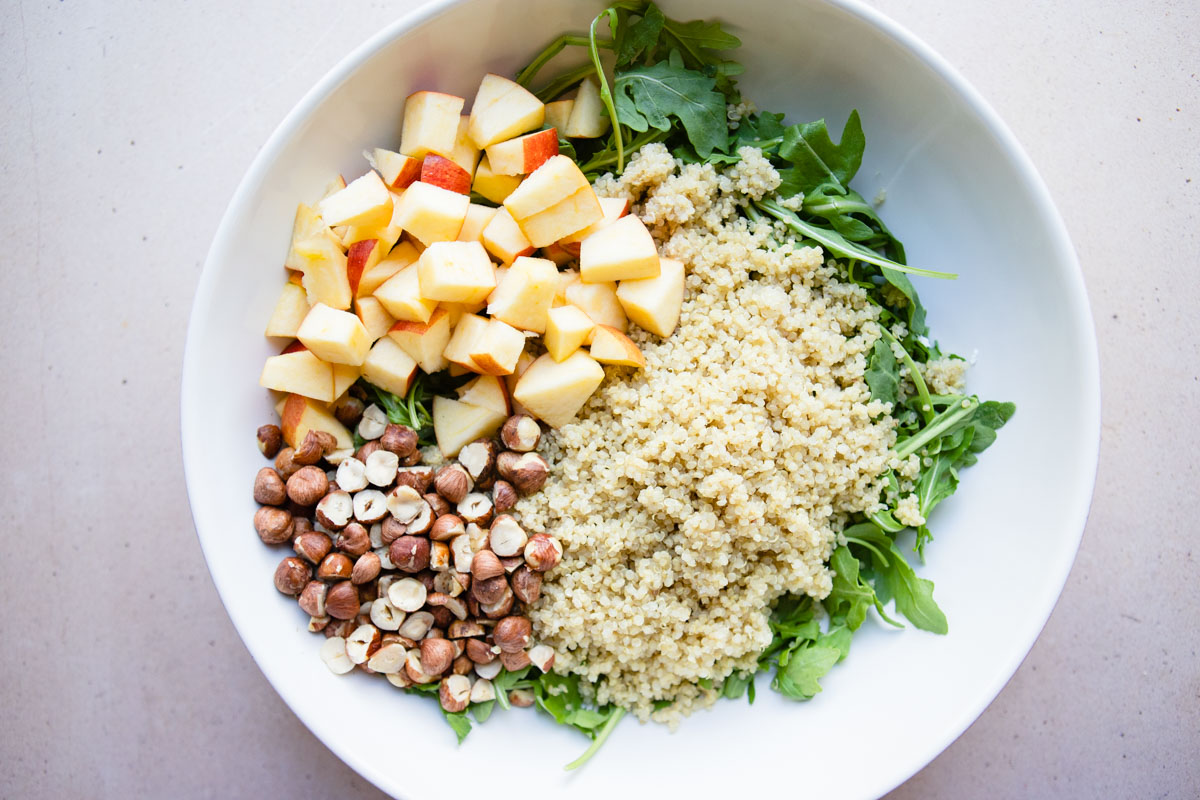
column 737, row 685
column 481, row 711
column 816, row 160
column 799, row 678
column 851, row 596
column 913, row 596
column 459, row 723
column 989, row 418
column 698, row 40
column 650, row 96
column 883, row 374
column 639, row 37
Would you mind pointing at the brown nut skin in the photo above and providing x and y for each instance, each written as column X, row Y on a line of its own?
column 526, row 585
column 392, row 529
column 480, row 651
column 454, row 694
column 504, row 496
column 366, row 450
column 485, row 564
column 316, row 445
column 489, row 590
column 527, row 472
column 479, row 459
column 412, row 459
column 292, row 575
column 301, row 525
column 437, row 655
column 462, row 665
column 354, row 540
column 410, row 553
column 446, row 527
column 438, row 504
column 339, row 627
column 274, row 525
column 442, row 617
column 512, row 634
column 269, row 488
column 335, row 567
column 366, row 569
column 341, row 601
column 399, row 439
column 419, row 478
column 312, row 598
column 521, row 433
column 464, row 629
column 284, row 464
column 453, row 483
column 515, row 661
column 542, row 552
column 312, row 546
column 307, row 486
column 270, row 439
column 501, row 608
column 349, row 411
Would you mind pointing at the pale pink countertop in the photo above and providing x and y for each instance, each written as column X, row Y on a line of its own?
column 125, row 129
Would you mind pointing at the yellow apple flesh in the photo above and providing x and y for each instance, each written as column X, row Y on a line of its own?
column 654, row 303
column 430, row 124
column 554, row 391
column 456, row 272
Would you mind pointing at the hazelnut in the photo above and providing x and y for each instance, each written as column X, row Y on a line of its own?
column 482, row 691
column 317, row 624
column 268, row 488
column 463, row 553
column 542, row 657
column 366, row 569
column 501, row 608
column 441, row 620
column 479, row 538
column 521, row 433
column 480, row 651
column 381, row 467
column 307, row 485
column 490, row 670
column 511, row 634
column 339, row 627
column 506, row 537
column 452, row 604
column 419, row 478
column 446, row 527
column 412, row 459
column 526, row 585
column 453, row 483
column 454, row 693
column 351, row 475
column 373, row 423
column 427, row 580
column 363, row 643
column 315, row 446
column 349, row 411
column 399, row 679
column 527, row 472
column 520, row 698
column 478, row 458
column 292, row 575
column 436, row 655
column 312, row 598
column 270, row 439
column 301, row 525
column 335, row 567
column 485, row 565
column 388, row 659
column 415, row 626
column 312, row 546
column 274, row 525
column 370, row 506
column 489, row 590
column 391, row 529
column 513, row 563
column 335, row 510
column 384, row 615
column 284, row 464
column 398, row 439
column 415, row 669
column 462, row 666
column 410, row 553
column 333, row 653
column 438, row 504
column 475, row 507
column 341, row 601
column 408, row 594
column 354, row 540
column 405, row 503
column 504, row 496
column 423, row 522
column 515, row 661
column 464, row 629
column 439, row 557
column 543, row 552
column 364, row 452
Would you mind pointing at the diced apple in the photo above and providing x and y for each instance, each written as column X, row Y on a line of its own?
column 565, row 278
column 431, row 213
column 299, row 372
column 558, row 114
column 500, row 272
column 551, row 183
column 344, row 376
column 387, row 235
column 612, row 208
column 599, row 302
column 487, row 391
column 334, row 336
column 456, row 423
column 503, row 238
column 478, row 217
column 610, row 346
column 401, row 296
column 524, row 154
column 430, row 124
column 497, row 349
column 465, row 154
column 336, row 185
column 440, row 171
column 554, row 391
column 567, row 328
column 294, row 347
column 503, row 109
column 299, row 415
column 621, row 251
column 400, row 257
column 364, row 201
column 324, row 265
column 425, row 341
column 524, row 296
column 396, row 170
column 468, row 330
column 374, row 317
column 290, row 310
column 558, row 254
column 306, row 225
column 457, row 370
column 457, row 272
column 456, row 310
column 389, row 367
column 588, row 119
column 654, row 303
column 566, row 217
column 492, row 186
column 361, row 257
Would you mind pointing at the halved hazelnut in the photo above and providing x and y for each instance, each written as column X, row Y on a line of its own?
column 399, row 679
column 335, row 567
column 373, row 423
column 542, row 656
column 352, row 475
column 273, row 525
column 333, row 653
column 521, row 433
column 444, row 583
column 339, row 627
column 460, row 549
column 405, row 503
column 526, row 585
column 485, row 564
column 418, row 477
column 446, row 527
column 482, row 691
column 370, row 506
column 453, row 604
column 511, row 634
column 464, row 629
column 490, row 670
column 392, row 529
column 354, row 540
column 312, row 546
column 515, row 661
column 475, row 507
column 478, row 458
column 312, row 598
column 439, row 557
column 423, row 522
column 386, row 616
column 366, row 569
column 381, row 467
column 292, row 575
column 416, row 626
column 415, row 669
column 454, row 693
column 478, row 537
column 501, row 608
column 364, row 452
column 437, row 503
column 453, row 483
column 543, row 552
column 269, row 488
column 506, row 537
column 363, row 643
column 388, row 658
column 399, row 439
column 504, row 496
column 270, row 439
column 341, row 601
column 407, row 594
column 335, row 510
column 410, row 553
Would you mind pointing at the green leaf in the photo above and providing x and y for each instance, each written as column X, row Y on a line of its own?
column 914, row 312
column 883, row 374
column 838, row 637
column 481, row 711
column 698, row 39
column 816, row 160
column 638, row 37
column 800, row 679
column 652, row 96
column 990, row 417
column 659, row 705
column 913, row 595
column 851, row 597
column 737, row 685
column 459, row 723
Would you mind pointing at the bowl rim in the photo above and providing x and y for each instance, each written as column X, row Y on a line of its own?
column 1078, row 315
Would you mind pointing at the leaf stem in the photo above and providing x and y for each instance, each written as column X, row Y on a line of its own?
column 563, row 82
column 943, row 422
column 526, row 76
column 915, row 374
column 598, row 742
column 605, row 92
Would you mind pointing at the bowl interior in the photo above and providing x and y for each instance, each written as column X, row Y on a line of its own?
column 962, row 197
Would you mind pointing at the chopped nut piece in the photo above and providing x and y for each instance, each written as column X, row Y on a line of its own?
column 438, row 504
column 490, row 670
column 312, row 598
column 464, row 629
column 270, row 439
column 274, row 525
column 341, row 601
column 521, row 698
column 439, row 557
column 405, row 503
column 454, row 693
column 407, row 594
column 506, row 537
column 340, row 627
column 478, row 458
column 317, row 624
column 389, row 658
column 415, row 669
column 446, row 527
column 335, row 510
column 381, row 467
column 386, row 616
column 521, row 433
column 351, row 475
column 453, row 604
column 370, row 506
column 423, row 522
column 453, row 482
column 399, row 439
column 366, row 569
column 399, row 679
column 543, row 552
column 475, row 507
column 460, row 548
column 373, row 423
column 513, row 563
column 268, row 488
column 333, row 653
column 416, row 626
column 504, row 496
column 542, row 657
column 307, row 486
column 515, row 661
column 362, row 644
column 482, row 691
column 292, row 575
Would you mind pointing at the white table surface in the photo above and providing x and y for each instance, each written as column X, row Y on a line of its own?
column 126, row 127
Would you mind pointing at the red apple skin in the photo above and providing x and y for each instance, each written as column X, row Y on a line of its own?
column 294, row 347
column 445, row 173
column 410, row 172
column 356, row 259
column 539, row 148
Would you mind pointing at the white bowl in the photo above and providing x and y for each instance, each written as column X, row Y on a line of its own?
column 962, row 196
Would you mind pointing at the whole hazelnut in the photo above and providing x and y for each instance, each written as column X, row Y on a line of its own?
column 453, row 483
column 446, row 527
column 501, row 608
column 489, row 590
column 312, row 546
column 399, row 439
column 268, row 488
column 410, row 553
column 349, row 411
column 354, row 540
column 437, row 655
column 526, row 585
column 438, row 504
column 312, row 598
column 504, row 496
column 284, row 464
column 511, row 634
column 486, row 564
column 270, row 439
column 480, row 651
column 316, row 445
column 521, row 433
column 526, row 472
column 542, row 552
column 301, row 525
column 307, row 485
column 392, row 530
column 341, row 601
column 441, row 617
column 335, row 567
column 292, row 575
column 412, row 459
column 274, row 525
column 366, row 568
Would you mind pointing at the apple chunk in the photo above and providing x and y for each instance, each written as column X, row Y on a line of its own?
column 612, row 208
column 430, row 124
column 621, row 251
column 401, row 296
column 558, row 114
column 503, row 238
column 374, row 316
column 465, row 154
column 503, row 109
column 306, row 225
column 467, row 331
column 457, row 272
column 431, row 213
column 554, row 391
column 567, row 328
column 299, row 372
column 598, row 301
column 299, row 415
column 551, row 183
column 497, row 348
column 389, row 367
column 524, row 154
column 325, row 271
column 563, row 218
column 478, row 217
column 400, row 257
column 440, row 171
column 425, row 341
column 290, row 311
column 338, row 337
column 364, row 201
column 588, row 120
column 524, row 295
column 492, row 186
column 396, row 170
column 487, row 391
column 610, row 346
column 654, row 303
column 456, row 423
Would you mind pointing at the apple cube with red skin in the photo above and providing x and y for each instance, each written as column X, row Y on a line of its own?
column 290, row 311
column 401, row 296
column 610, row 346
column 389, row 367
column 558, row 114
column 502, row 110
column 325, row 270
column 440, row 171
column 612, row 209
column 478, row 217
column 558, row 254
column 396, row 170
column 364, row 201
column 554, row 391
column 524, row 295
column 299, row 372
column 567, row 328
column 299, row 415
column 457, row 272
column 456, row 423
column 468, row 331
column 425, row 341
column 496, row 350
column 492, row 186
column 431, row 213
column 335, row 336
column 430, row 124
column 400, row 257
column 524, row 154
column 362, row 256
column 503, row 238
column 555, row 180
column 588, row 120
column 654, row 303
column 487, row 391
column 374, row 317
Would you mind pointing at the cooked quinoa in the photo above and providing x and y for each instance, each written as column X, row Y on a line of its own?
column 693, row 493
